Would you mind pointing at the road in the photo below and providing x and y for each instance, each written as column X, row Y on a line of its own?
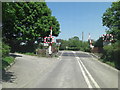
column 72, row 69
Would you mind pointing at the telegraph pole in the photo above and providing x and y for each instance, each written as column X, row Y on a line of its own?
column 82, row 36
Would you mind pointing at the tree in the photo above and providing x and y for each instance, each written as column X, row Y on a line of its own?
column 27, row 21
column 99, row 42
column 64, row 44
column 74, row 43
column 111, row 19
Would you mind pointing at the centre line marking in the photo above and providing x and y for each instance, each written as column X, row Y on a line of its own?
column 83, row 72
column 84, row 75
column 92, row 79
column 84, row 69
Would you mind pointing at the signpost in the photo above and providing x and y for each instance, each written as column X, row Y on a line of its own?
column 49, row 40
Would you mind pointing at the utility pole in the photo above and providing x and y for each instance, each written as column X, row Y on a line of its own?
column 82, row 36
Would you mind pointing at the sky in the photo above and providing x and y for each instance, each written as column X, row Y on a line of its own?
column 78, row 17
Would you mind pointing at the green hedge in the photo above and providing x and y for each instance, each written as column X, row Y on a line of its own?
column 112, row 54
column 108, row 53
column 117, row 58
column 5, row 50
column 6, row 59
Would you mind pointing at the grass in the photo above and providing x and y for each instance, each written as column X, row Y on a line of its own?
column 32, row 54
column 28, row 53
column 111, row 63
column 108, row 62
column 7, row 61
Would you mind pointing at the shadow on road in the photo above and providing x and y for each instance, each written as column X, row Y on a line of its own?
column 15, row 55
column 8, row 76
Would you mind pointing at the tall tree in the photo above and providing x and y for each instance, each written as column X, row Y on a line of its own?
column 74, row 42
column 111, row 19
column 26, row 21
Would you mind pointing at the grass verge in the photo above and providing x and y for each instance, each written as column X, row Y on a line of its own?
column 32, row 54
column 108, row 62
column 28, row 53
column 6, row 61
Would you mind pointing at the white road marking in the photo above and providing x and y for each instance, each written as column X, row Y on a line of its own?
column 84, row 75
column 83, row 72
column 73, row 52
column 60, row 56
column 92, row 79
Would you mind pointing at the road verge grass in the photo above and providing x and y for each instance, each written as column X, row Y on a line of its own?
column 7, row 61
column 28, row 53
column 108, row 62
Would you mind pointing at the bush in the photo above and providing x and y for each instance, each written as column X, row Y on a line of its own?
column 5, row 50
column 111, row 54
column 87, row 49
column 108, row 53
column 117, row 54
column 28, row 53
column 117, row 58
column 7, row 61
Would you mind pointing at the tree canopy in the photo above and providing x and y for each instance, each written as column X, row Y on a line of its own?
column 99, row 42
column 74, row 44
column 111, row 19
column 28, row 21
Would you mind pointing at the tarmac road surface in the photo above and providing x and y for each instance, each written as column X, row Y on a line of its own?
column 72, row 69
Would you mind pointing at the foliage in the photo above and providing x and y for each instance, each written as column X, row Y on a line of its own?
column 74, row 44
column 7, row 61
column 112, row 54
column 5, row 50
column 111, row 63
column 108, row 53
column 32, row 54
column 85, row 47
column 111, row 19
column 99, row 42
column 26, row 22
column 64, row 45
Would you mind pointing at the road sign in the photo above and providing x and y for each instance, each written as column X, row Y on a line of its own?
column 107, row 37
column 49, row 40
